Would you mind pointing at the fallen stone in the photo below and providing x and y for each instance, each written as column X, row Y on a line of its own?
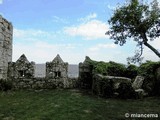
column 141, row 93
column 137, row 84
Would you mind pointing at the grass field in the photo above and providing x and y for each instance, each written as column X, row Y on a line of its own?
column 69, row 105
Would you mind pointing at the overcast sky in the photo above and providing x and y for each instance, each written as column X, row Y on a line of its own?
column 72, row 28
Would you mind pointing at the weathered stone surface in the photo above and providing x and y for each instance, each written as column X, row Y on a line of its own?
column 137, row 84
column 106, row 86
column 85, row 73
column 115, row 79
column 57, row 71
column 141, row 93
column 22, row 68
column 85, row 66
column 6, row 33
column 57, row 68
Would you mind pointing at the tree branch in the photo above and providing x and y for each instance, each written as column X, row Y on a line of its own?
column 145, row 42
column 152, row 48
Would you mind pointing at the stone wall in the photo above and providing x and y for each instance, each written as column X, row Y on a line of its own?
column 42, row 83
column 6, row 33
column 35, row 83
column 21, row 74
column 85, row 74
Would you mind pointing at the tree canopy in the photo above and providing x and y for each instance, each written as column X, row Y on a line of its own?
column 139, row 21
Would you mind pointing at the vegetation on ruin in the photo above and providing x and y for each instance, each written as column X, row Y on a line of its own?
column 69, row 105
column 149, row 71
column 114, row 69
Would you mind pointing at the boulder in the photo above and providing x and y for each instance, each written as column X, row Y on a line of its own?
column 137, row 84
column 141, row 93
column 126, row 91
column 115, row 79
column 106, row 85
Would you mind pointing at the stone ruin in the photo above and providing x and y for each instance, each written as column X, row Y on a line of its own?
column 22, row 74
column 138, row 82
column 57, row 68
column 56, row 71
column 85, row 73
column 6, row 34
column 22, row 68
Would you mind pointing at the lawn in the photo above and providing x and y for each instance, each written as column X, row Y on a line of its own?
column 69, row 105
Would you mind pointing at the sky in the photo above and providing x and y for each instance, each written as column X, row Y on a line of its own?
column 71, row 28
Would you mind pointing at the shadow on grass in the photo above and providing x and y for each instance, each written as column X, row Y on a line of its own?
column 69, row 104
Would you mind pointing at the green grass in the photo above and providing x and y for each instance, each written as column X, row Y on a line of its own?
column 69, row 105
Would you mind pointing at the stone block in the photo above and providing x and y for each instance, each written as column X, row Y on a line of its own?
column 31, row 82
column 137, row 84
column 141, row 93
column 22, row 68
column 1, row 37
column 5, row 44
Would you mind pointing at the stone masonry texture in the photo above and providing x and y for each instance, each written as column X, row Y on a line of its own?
column 6, row 34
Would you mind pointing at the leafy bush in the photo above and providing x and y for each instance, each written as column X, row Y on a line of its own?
column 148, row 70
column 131, row 71
column 116, row 69
column 5, row 85
column 100, row 67
column 126, row 91
column 109, row 68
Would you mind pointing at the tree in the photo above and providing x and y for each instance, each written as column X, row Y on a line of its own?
column 136, row 20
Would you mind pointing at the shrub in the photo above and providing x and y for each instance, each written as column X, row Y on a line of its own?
column 116, row 69
column 5, row 85
column 109, row 68
column 126, row 91
column 131, row 71
column 100, row 67
column 148, row 70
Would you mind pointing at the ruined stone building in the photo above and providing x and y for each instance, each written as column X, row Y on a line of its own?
column 85, row 73
column 25, row 74
column 22, row 68
column 57, row 71
column 6, row 34
column 56, row 68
